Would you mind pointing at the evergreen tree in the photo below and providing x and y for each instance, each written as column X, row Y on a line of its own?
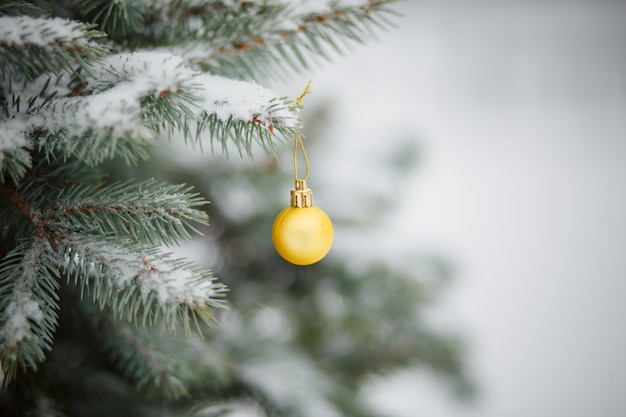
column 97, row 316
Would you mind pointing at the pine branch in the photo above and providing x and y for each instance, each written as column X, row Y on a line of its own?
column 141, row 284
column 28, row 305
column 250, row 40
column 31, row 46
column 47, row 180
column 87, row 229
column 150, row 212
column 143, row 24
column 147, row 360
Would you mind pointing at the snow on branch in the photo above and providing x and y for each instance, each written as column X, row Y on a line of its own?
column 143, row 285
column 241, row 112
column 37, row 32
column 28, row 284
column 105, row 121
column 117, row 89
column 30, row 46
column 14, row 156
column 231, row 99
column 146, row 72
column 130, row 98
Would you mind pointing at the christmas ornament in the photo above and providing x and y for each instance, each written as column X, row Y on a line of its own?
column 302, row 233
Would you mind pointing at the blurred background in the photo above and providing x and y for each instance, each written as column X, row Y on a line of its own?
column 518, row 109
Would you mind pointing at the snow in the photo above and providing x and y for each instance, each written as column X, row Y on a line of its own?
column 174, row 284
column 241, row 100
column 13, row 135
column 144, row 71
column 23, row 308
column 26, row 31
column 45, row 85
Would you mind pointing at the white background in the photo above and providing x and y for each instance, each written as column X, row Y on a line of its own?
column 520, row 111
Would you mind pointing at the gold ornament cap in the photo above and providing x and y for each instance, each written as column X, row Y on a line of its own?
column 301, row 196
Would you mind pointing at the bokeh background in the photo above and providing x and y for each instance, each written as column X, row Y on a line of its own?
column 518, row 109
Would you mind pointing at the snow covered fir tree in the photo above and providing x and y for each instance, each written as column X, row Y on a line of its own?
column 98, row 317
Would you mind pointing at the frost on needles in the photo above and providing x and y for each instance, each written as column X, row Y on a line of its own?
column 86, row 82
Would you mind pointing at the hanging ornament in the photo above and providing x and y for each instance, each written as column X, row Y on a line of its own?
column 302, row 233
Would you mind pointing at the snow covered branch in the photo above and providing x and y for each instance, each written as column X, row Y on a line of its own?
column 105, row 239
column 142, row 285
column 129, row 100
column 31, row 46
column 242, row 112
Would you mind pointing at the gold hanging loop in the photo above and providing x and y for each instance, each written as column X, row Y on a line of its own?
column 298, row 140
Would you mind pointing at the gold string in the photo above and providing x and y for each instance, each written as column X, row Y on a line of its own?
column 306, row 91
column 298, row 140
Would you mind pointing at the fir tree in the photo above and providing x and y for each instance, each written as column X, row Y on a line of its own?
column 97, row 317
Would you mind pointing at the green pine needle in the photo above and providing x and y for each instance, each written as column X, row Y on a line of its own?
column 13, row 164
column 93, row 147
column 261, row 51
column 150, row 211
column 119, row 19
column 242, row 134
column 144, row 359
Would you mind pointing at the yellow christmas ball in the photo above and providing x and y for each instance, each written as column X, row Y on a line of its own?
column 302, row 235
